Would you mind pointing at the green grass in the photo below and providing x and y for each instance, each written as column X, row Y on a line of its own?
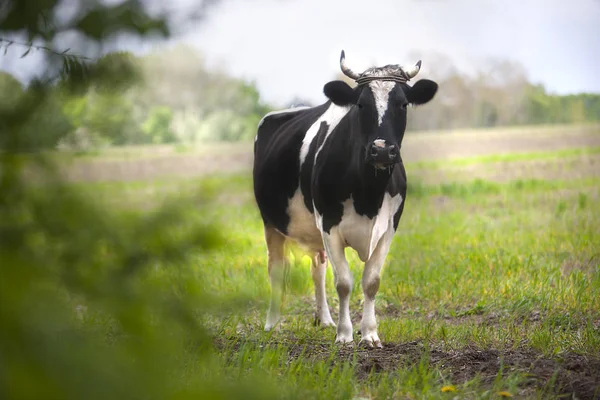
column 486, row 284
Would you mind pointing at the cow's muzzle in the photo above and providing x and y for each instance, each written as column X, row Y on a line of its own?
column 382, row 155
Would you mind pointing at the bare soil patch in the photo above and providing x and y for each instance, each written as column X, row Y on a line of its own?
column 575, row 374
column 572, row 375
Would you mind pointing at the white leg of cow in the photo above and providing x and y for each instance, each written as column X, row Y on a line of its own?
column 370, row 285
column 343, row 284
column 318, row 271
column 276, row 264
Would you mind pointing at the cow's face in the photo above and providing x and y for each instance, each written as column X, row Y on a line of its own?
column 381, row 109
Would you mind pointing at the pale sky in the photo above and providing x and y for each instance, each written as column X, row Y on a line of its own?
column 291, row 48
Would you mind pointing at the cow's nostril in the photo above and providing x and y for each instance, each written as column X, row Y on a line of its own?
column 374, row 152
column 393, row 151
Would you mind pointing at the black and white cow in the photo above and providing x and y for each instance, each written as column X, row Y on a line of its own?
column 330, row 177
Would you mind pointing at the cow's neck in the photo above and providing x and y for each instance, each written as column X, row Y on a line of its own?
column 369, row 189
column 374, row 180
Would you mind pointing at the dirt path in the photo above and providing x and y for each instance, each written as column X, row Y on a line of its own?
column 445, row 145
column 223, row 158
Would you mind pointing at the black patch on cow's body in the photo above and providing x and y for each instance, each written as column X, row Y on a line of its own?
column 402, row 186
column 307, row 166
column 277, row 164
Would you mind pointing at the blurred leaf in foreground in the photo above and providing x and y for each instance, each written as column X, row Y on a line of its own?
column 95, row 303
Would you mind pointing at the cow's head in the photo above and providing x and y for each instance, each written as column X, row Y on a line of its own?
column 381, row 99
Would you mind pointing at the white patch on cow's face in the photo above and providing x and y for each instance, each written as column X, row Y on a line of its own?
column 381, row 93
column 332, row 116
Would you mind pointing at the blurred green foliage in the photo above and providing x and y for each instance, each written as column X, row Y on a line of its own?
column 95, row 302
column 97, row 21
column 158, row 125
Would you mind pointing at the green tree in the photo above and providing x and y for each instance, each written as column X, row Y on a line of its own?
column 179, row 79
column 110, row 116
column 577, row 110
column 157, row 127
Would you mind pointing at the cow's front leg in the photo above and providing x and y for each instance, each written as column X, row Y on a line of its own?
column 318, row 272
column 276, row 264
column 334, row 248
column 370, row 285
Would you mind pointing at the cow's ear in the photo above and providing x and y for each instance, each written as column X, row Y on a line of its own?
column 340, row 93
column 422, row 92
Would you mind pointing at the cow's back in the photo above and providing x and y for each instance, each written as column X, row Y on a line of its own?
column 277, row 162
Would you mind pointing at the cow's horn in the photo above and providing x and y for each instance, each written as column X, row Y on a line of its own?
column 411, row 73
column 347, row 71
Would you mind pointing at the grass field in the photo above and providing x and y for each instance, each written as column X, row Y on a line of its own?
column 491, row 288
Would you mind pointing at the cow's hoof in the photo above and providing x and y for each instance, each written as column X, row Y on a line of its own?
column 271, row 326
column 344, row 340
column 371, row 340
column 328, row 324
column 324, row 324
column 376, row 344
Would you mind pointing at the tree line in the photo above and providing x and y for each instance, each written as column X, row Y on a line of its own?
column 498, row 94
column 173, row 97
column 170, row 97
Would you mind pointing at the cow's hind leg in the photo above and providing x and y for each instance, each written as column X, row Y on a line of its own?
column 276, row 264
column 370, row 285
column 318, row 271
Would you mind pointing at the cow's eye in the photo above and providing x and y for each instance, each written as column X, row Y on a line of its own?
column 404, row 106
column 359, row 105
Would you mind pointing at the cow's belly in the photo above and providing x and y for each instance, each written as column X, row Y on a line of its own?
column 362, row 233
column 302, row 227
